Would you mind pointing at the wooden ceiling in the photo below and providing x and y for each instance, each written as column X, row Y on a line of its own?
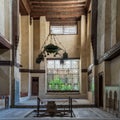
column 58, row 12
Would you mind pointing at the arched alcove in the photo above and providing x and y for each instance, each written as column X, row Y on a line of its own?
column 110, row 99
column 106, row 99
column 115, row 101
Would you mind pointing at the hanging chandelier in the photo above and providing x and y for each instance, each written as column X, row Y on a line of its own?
column 52, row 46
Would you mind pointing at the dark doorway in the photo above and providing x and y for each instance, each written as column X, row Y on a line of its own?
column 100, row 90
column 35, row 86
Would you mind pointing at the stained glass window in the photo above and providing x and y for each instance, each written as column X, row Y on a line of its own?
column 63, row 77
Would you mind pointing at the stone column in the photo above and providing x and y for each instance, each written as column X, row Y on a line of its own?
column 31, row 44
column 30, row 54
column 101, row 28
column 88, row 50
column 36, row 42
column 15, row 40
column 107, row 25
column 83, row 56
column 113, row 21
column 25, row 23
column 44, row 31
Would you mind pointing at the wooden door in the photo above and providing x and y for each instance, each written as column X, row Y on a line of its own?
column 35, row 86
column 100, row 90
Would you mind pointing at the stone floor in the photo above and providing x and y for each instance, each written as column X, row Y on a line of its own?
column 57, row 101
column 27, row 113
column 79, row 114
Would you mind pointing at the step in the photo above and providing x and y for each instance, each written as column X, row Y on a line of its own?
column 58, row 106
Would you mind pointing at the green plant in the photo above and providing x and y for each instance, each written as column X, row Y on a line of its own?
column 58, row 84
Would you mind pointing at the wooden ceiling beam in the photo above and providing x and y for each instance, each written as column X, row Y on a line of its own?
column 49, row 18
column 57, row 3
column 54, row 0
column 59, row 7
column 25, row 7
column 87, row 4
column 58, row 19
column 58, row 10
column 58, row 14
column 63, row 22
column 39, row 9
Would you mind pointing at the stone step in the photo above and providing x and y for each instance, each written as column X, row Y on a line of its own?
column 58, row 106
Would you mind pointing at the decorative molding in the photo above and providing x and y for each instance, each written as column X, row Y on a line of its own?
column 6, row 63
column 84, row 70
column 64, row 59
column 32, row 70
column 37, row 71
column 110, row 54
column 24, row 70
column 4, row 43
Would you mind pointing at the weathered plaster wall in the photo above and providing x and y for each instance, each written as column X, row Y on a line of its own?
column 4, row 80
column 31, row 57
column 5, row 21
column 25, row 41
column 2, row 21
column 39, row 32
column 5, row 25
column 118, row 22
column 101, row 28
column 36, row 42
column 108, row 25
column 115, row 71
column 113, row 21
column 107, row 36
column 26, row 54
column 6, row 31
column 71, row 44
column 24, row 82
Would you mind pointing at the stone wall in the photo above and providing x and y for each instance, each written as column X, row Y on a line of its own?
column 39, row 31
column 115, row 71
column 107, row 25
column 107, row 37
column 5, row 55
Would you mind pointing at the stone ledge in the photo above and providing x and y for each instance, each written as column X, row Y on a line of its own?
column 4, row 43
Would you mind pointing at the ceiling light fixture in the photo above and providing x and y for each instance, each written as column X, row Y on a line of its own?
column 51, row 46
